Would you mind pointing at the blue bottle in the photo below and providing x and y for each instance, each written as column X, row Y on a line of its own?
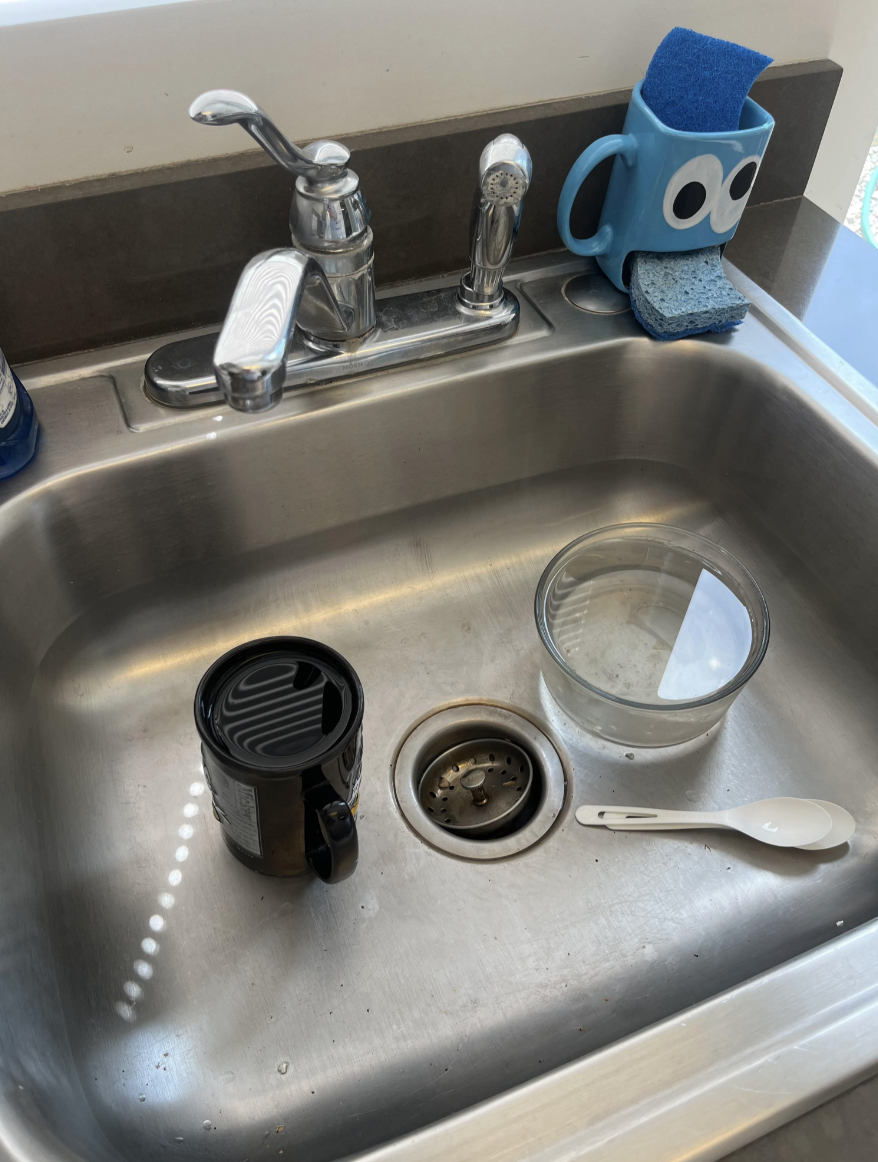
column 18, row 422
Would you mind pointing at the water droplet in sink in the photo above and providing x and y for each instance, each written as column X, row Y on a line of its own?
column 205, row 1125
column 179, row 1139
column 141, row 1097
column 228, row 1077
column 283, row 1067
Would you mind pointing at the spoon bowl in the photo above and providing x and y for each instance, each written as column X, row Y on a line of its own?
column 783, row 822
column 843, row 827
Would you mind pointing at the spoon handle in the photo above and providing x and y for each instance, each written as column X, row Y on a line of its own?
column 666, row 826
column 646, row 818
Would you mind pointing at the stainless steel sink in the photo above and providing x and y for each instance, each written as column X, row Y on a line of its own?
column 597, row 995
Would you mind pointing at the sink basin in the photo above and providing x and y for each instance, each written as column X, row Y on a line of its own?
column 602, row 995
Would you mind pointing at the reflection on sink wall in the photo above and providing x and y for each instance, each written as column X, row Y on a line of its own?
column 270, row 1014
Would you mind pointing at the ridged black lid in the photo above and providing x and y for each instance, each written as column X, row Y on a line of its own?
column 286, row 708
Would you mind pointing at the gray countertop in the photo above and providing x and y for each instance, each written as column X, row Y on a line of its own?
column 822, row 272
column 843, row 1130
column 827, row 276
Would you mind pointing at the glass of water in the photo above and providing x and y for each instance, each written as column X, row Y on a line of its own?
column 651, row 632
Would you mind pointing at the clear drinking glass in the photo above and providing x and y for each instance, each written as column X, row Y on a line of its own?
column 650, row 632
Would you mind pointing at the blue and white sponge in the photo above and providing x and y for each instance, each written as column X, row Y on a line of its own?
column 684, row 293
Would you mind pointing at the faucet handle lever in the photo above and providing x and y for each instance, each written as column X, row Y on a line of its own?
column 250, row 355
column 320, row 161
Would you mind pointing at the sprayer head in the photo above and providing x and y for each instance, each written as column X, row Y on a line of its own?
column 505, row 170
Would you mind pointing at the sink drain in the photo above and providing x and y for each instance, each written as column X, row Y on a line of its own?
column 479, row 781
column 478, row 788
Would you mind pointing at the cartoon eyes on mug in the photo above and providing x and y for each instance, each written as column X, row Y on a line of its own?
column 698, row 189
column 733, row 195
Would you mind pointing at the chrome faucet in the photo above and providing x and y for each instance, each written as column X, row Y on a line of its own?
column 329, row 218
column 326, row 285
column 309, row 314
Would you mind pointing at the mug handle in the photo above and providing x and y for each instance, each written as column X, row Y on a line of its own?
column 623, row 144
column 336, row 857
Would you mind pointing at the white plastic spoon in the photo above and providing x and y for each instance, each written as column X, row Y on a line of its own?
column 782, row 822
column 841, row 831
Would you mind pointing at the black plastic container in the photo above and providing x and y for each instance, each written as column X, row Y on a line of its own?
column 281, row 726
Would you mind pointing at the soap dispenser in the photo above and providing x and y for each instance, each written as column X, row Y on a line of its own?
column 18, row 422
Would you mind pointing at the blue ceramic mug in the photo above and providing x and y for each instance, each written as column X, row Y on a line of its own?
column 669, row 190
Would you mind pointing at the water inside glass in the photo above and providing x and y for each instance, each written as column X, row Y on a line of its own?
column 651, row 637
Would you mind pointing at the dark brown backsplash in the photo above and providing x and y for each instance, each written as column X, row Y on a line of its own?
column 140, row 254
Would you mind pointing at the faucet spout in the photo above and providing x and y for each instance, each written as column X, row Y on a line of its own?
column 250, row 355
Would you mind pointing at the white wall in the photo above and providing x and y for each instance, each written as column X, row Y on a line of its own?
column 107, row 92
column 854, row 118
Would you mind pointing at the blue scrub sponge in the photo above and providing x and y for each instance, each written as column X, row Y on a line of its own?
column 698, row 83
column 684, row 293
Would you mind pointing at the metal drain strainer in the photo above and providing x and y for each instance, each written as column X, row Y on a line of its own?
column 472, row 731
column 477, row 787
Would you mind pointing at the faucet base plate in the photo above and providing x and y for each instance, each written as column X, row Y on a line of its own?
column 408, row 327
